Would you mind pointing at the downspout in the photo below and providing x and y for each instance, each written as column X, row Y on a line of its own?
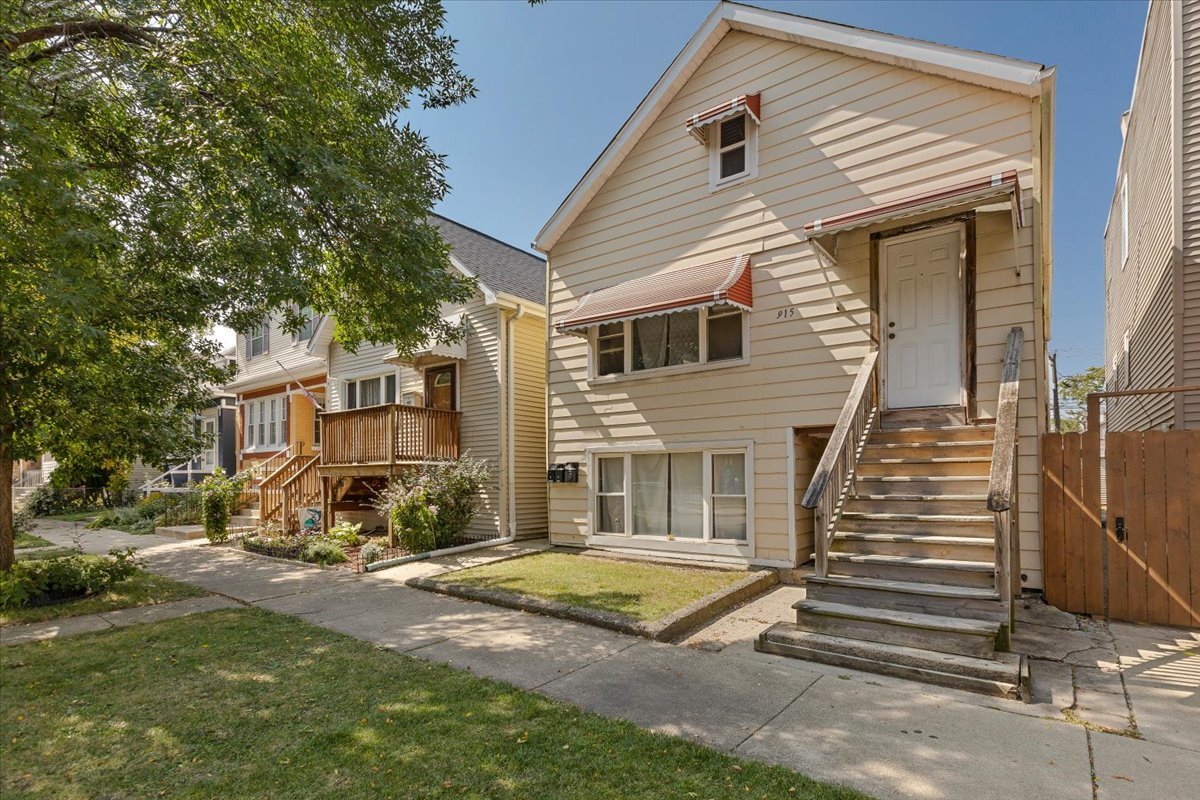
column 511, row 423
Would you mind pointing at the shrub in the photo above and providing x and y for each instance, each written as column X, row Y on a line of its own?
column 218, row 496
column 22, row 520
column 432, row 506
column 371, row 552
column 349, row 534
column 47, row 500
column 324, row 551
column 51, row 580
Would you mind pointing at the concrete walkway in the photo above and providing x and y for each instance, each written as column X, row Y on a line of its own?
column 888, row 737
column 87, row 623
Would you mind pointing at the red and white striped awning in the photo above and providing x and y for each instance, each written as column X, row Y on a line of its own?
column 722, row 282
column 1004, row 183
column 697, row 124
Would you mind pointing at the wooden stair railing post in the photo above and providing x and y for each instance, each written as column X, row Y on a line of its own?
column 1002, row 484
column 834, row 475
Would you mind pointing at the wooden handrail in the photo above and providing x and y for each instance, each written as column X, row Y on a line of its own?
column 270, row 494
column 304, row 487
column 1002, row 483
column 834, row 476
column 1004, row 446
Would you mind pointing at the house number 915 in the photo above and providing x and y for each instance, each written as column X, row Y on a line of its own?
column 785, row 313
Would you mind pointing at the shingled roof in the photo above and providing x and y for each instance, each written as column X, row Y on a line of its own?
column 498, row 266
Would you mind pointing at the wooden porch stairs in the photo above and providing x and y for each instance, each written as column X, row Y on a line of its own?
column 914, row 575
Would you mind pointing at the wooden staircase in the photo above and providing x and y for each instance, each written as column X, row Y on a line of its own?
column 913, row 554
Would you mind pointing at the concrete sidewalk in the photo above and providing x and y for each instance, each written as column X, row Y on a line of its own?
column 888, row 737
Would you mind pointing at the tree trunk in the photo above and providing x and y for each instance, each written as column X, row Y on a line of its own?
column 7, row 555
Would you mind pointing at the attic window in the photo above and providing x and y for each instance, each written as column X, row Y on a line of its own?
column 730, row 132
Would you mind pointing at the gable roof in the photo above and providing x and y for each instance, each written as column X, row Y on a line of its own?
column 984, row 69
column 499, row 267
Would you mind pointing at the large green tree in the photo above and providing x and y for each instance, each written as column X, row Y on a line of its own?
column 1073, row 391
column 165, row 167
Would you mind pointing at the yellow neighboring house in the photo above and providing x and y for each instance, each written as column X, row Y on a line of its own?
column 809, row 232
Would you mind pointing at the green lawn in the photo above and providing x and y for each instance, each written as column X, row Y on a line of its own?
column 143, row 589
column 640, row 590
column 22, row 539
column 73, row 516
column 249, row 704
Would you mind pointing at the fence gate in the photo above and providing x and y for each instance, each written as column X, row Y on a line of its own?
column 1137, row 556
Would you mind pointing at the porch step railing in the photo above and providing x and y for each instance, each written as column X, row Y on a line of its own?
column 1002, row 483
column 833, row 480
column 301, row 490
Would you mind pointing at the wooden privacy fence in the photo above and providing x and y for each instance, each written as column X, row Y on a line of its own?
column 1136, row 557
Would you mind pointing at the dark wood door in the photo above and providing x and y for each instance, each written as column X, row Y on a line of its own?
column 441, row 388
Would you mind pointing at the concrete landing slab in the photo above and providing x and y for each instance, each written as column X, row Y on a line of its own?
column 919, row 747
column 714, row 700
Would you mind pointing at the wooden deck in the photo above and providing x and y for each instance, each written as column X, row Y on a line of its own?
column 371, row 441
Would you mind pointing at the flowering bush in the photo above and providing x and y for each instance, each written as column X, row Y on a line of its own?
column 432, row 506
column 218, row 496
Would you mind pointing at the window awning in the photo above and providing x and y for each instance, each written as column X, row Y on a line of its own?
column 435, row 349
column 821, row 232
column 722, row 282
column 697, row 124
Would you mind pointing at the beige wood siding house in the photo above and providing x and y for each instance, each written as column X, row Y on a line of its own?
column 1152, row 240
column 834, row 120
column 492, row 381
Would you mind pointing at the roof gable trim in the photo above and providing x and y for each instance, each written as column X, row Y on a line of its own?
column 995, row 72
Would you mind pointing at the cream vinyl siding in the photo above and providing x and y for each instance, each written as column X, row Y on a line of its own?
column 282, row 348
column 478, row 393
column 1189, row 283
column 1140, row 293
column 529, row 392
column 838, row 133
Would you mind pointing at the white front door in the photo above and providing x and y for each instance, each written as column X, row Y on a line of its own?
column 922, row 319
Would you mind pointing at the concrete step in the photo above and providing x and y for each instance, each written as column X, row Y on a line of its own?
column 185, row 532
column 922, row 450
column 928, row 504
column 924, row 484
column 958, row 548
column 1006, row 675
column 922, row 598
column 965, row 637
column 974, row 466
column 957, row 433
column 244, row 520
column 953, row 572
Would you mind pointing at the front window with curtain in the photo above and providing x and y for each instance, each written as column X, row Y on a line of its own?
column 678, row 339
column 373, row 391
column 675, row 495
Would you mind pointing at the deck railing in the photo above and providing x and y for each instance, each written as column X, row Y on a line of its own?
column 388, row 434
column 271, row 489
column 1002, row 484
column 258, row 471
column 833, row 480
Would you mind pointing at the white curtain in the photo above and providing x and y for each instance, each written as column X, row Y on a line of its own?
column 687, row 495
column 650, row 494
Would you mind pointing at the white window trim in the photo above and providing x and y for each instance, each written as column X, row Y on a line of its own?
column 313, row 320
column 705, row 545
column 1124, row 220
column 265, row 327
column 370, row 376
column 208, row 458
column 703, row 365
column 715, row 181
column 260, row 408
column 1127, row 378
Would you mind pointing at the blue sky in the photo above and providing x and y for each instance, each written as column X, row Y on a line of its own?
column 557, row 80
